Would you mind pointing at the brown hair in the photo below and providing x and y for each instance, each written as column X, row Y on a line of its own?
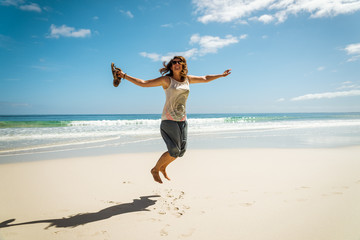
column 167, row 68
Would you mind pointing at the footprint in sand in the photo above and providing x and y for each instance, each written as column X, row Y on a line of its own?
column 164, row 232
column 154, row 220
column 113, row 202
column 332, row 194
column 161, row 212
column 247, row 204
column 302, row 188
column 337, row 193
column 188, row 234
column 171, row 202
column 338, row 190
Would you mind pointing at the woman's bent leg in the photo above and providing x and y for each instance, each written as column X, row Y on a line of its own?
column 161, row 165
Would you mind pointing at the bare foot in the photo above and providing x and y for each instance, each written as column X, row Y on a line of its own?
column 156, row 175
column 162, row 170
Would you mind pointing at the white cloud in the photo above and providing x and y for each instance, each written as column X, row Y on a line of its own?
column 349, row 85
column 157, row 57
column 353, row 48
column 321, row 68
column 266, row 18
column 187, row 54
column 127, row 13
column 22, row 5
column 280, row 100
column 227, row 10
column 65, row 31
column 354, row 51
column 244, row 36
column 211, row 44
column 206, row 45
column 153, row 56
column 327, row 95
column 238, row 10
column 30, row 7
column 354, row 58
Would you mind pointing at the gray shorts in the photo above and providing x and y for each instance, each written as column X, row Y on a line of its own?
column 175, row 136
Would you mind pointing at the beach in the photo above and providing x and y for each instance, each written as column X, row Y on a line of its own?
column 257, row 193
column 265, row 176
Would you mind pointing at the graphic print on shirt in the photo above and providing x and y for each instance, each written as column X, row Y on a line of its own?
column 179, row 106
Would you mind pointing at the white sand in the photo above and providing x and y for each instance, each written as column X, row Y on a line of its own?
column 285, row 194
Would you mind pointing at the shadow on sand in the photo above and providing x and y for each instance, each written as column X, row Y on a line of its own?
column 84, row 218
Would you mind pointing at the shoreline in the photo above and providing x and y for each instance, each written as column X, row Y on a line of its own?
column 285, row 139
column 110, row 151
column 214, row 193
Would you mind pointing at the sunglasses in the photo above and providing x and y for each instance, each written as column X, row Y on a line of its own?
column 176, row 62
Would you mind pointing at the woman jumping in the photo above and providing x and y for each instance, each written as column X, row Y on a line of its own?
column 173, row 120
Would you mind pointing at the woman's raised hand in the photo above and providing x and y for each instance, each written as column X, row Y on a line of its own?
column 120, row 74
column 227, row 72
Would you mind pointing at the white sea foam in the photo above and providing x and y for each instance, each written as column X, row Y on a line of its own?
column 143, row 122
column 124, row 131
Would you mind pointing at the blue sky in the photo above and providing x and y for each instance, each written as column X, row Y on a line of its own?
column 285, row 56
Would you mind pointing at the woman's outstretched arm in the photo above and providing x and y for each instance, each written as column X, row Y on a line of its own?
column 156, row 82
column 207, row 78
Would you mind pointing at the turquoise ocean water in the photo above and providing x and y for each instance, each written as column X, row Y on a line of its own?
column 48, row 133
